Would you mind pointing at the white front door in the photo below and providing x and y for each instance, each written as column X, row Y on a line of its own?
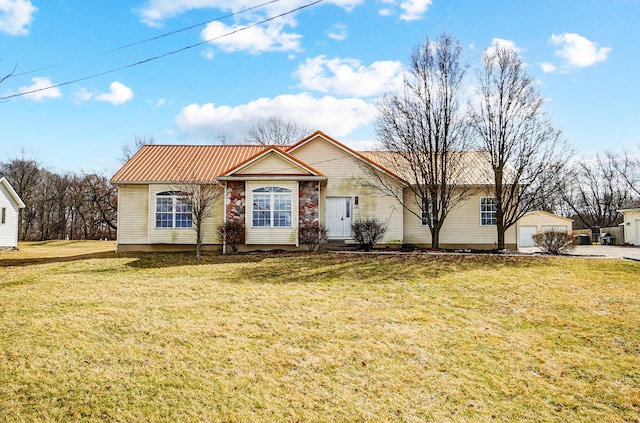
column 338, row 217
column 525, row 237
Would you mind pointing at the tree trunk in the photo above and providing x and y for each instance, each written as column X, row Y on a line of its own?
column 501, row 231
column 435, row 238
column 198, row 243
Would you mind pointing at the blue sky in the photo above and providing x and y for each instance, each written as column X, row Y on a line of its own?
column 323, row 66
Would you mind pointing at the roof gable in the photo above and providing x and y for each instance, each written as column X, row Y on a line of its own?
column 272, row 162
column 545, row 213
column 12, row 193
column 319, row 135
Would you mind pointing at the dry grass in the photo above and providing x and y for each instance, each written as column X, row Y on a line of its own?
column 89, row 335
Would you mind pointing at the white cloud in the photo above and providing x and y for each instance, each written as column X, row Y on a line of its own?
column 349, row 77
column 118, row 94
column 414, row 9
column 578, row 50
column 82, row 94
column 502, row 43
column 16, row 16
column 208, row 53
column 42, row 91
column 338, row 32
column 268, row 37
column 154, row 12
column 411, row 10
column 336, row 116
column 548, row 67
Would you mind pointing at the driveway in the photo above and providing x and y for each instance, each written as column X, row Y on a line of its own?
column 608, row 251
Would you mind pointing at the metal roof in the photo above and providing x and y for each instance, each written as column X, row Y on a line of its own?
column 183, row 163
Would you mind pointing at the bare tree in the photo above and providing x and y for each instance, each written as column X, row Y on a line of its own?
column 424, row 134
column 522, row 147
column 276, row 131
column 128, row 150
column 596, row 191
column 628, row 167
column 200, row 198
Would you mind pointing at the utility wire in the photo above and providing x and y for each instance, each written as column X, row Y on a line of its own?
column 150, row 59
column 229, row 15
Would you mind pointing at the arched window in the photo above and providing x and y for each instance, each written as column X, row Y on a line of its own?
column 173, row 210
column 271, row 207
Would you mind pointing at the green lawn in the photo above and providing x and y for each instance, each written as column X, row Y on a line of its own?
column 89, row 335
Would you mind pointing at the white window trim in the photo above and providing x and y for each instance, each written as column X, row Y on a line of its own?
column 485, row 211
column 175, row 197
column 286, row 192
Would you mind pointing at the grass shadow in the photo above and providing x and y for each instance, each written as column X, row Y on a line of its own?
column 28, row 261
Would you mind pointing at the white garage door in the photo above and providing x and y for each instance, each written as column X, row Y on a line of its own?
column 525, row 236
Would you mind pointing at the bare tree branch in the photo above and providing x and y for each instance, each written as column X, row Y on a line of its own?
column 424, row 134
column 277, row 131
column 128, row 150
column 523, row 148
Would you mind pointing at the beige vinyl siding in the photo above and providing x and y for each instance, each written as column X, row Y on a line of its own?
column 273, row 164
column 461, row 228
column 542, row 220
column 271, row 235
column 347, row 178
column 182, row 235
column 8, row 229
column 133, row 205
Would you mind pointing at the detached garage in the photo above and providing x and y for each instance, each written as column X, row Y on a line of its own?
column 540, row 221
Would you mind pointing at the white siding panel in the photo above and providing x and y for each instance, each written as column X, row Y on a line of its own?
column 632, row 226
column 8, row 230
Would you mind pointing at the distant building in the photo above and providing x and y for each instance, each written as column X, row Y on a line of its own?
column 10, row 204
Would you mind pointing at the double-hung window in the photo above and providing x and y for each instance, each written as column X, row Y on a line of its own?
column 173, row 210
column 271, row 207
column 488, row 216
column 427, row 212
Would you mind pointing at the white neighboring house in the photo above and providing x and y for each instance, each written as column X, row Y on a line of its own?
column 631, row 225
column 10, row 204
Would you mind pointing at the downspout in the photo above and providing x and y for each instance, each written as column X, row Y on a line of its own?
column 224, row 218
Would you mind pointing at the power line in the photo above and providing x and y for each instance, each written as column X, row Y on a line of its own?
column 167, row 34
column 150, row 59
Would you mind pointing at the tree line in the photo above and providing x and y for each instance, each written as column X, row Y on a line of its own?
column 61, row 205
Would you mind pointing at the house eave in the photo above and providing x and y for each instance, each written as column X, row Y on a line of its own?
column 273, row 178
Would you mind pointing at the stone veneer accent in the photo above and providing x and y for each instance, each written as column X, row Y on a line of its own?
column 309, row 197
column 235, row 200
